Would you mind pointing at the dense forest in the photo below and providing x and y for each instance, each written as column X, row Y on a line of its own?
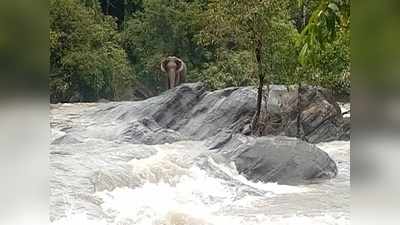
column 112, row 49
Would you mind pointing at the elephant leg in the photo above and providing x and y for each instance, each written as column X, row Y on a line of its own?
column 172, row 79
column 177, row 79
column 182, row 78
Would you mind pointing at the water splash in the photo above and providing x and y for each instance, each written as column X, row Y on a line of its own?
column 181, row 184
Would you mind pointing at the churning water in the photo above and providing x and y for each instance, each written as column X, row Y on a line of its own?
column 100, row 181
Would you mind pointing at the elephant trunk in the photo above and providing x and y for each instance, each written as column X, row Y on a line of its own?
column 172, row 78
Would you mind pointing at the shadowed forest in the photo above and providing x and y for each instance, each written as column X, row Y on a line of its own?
column 112, row 49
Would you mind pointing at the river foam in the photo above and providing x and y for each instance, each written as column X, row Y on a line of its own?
column 170, row 190
column 181, row 184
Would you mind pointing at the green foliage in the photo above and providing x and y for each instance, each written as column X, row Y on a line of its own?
column 250, row 26
column 163, row 28
column 107, row 49
column 243, row 24
column 247, row 25
column 324, row 45
column 232, row 69
column 87, row 60
column 332, row 68
column 328, row 19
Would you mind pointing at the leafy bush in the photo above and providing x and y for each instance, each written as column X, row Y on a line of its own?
column 87, row 60
column 232, row 69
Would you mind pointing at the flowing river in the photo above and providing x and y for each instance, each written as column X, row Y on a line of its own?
column 98, row 180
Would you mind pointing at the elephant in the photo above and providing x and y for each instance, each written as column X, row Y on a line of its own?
column 175, row 69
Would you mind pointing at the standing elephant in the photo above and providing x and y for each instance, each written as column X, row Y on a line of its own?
column 175, row 69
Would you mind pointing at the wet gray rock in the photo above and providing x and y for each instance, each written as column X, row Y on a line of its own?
column 103, row 100
column 186, row 112
column 93, row 143
column 278, row 159
column 320, row 116
column 147, row 131
column 191, row 112
column 66, row 139
column 346, row 129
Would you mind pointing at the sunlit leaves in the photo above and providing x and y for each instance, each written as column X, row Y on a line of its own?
column 329, row 18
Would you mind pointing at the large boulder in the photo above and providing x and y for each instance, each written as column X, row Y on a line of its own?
column 185, row 112
column 313, row 114
column 345, row 133
column 191, row 112
column 278, row 159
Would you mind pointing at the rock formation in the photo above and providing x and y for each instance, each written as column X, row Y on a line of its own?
column 222, row 119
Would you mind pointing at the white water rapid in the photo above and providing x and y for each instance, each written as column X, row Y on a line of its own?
column 175, row 184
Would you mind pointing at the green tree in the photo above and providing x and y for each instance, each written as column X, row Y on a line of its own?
column 249, row 25
column 327, row 20
column 231, row 68
column 87, row 61
column 163, row 28
column 323, row 46
column 224, row 43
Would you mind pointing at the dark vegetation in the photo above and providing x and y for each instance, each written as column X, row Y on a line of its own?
column 112, row 48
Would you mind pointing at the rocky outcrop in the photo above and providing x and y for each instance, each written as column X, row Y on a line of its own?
column 189, row 111
column 104, row 146
column 147, row 131
column 222, row 118
column 345, row 129
column 278, row 159
column 186, row 112
column 320, row 118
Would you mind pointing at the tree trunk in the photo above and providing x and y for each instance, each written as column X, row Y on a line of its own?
column 299, row 134
column 256, row 122
column 259, row 97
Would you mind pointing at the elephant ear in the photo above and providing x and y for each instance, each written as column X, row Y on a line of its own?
column 180, row 64
column 163, row 63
